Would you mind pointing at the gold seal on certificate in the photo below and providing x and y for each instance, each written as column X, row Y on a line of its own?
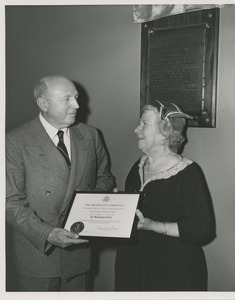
column 102, row 215
column 77, row 227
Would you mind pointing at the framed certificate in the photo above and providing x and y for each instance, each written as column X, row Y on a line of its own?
column 102, row 214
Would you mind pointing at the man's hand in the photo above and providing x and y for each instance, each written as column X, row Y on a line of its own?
column 62, row 238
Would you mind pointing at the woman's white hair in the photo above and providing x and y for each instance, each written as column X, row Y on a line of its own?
column 171, row 128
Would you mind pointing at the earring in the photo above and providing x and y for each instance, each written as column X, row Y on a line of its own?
column 162, row 143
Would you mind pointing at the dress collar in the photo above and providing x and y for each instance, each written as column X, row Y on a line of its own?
column 179, row 166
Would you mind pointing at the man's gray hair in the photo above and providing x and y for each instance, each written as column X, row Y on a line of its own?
column 40, row 88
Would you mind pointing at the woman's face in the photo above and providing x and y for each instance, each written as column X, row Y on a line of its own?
column 148, row 133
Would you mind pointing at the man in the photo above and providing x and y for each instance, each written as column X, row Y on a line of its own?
column 46, row 161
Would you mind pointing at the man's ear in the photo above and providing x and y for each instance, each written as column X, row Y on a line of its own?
column 42, row 103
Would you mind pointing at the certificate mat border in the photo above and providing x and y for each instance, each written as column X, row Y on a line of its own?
column 104, row 193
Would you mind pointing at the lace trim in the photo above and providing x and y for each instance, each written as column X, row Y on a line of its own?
column 182, row 164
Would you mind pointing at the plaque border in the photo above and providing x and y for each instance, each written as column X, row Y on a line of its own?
column 210, row 18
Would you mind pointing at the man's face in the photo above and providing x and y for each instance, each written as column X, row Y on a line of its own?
column 61, row 103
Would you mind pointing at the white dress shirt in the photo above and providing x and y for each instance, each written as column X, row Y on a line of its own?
column 52, row 132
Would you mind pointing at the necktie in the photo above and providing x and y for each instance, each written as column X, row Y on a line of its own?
column 62, row 148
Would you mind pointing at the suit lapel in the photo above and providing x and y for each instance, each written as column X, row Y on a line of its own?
column 79, row 154
column 44, row 150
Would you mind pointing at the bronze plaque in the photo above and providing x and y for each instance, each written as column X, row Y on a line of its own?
column 176, row 66
column 179, row 64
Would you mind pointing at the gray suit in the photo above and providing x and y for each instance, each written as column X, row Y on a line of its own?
column 39, row 188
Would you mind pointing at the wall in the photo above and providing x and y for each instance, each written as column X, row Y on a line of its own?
column 99, row 47
column 214, row 150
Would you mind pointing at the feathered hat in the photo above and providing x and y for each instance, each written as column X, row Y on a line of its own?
column 170, row 110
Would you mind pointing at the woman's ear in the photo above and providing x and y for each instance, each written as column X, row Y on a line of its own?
column 163, row 142
column 42, row 103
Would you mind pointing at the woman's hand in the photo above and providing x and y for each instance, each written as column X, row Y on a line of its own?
column 164, row 228
column 143, row 223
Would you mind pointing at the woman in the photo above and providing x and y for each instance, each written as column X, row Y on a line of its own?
column 175, row 217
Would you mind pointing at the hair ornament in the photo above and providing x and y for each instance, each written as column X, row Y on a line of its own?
column 170, row 110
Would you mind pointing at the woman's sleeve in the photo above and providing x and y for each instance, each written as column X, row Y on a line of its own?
column 197, row 226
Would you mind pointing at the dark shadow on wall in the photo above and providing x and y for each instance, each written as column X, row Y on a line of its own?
column 83, row 102
column 184, row 133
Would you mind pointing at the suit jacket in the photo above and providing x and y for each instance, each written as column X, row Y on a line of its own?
column 39, row 189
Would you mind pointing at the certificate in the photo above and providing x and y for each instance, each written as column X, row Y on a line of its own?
column 102, row 214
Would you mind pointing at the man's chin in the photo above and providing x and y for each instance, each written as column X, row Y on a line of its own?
column 71, row 121
column 140, row 147
column 140, row 143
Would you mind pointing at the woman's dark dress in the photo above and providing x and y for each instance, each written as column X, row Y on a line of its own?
column 156, row 262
